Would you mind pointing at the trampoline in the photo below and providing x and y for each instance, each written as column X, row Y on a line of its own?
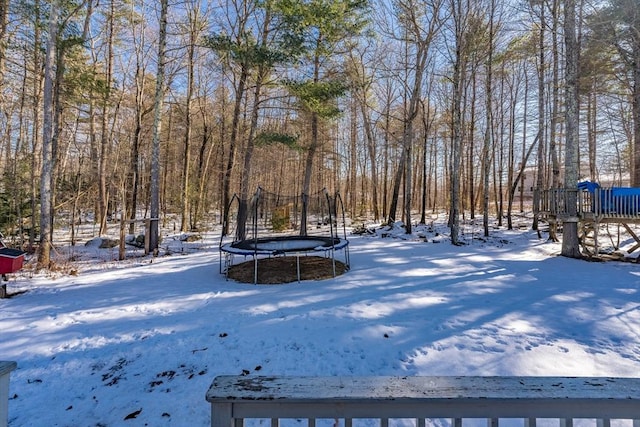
column 276, row 225
column 282, row 244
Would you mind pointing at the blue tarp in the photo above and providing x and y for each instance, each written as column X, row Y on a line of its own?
column 614, row 200
column 588, row 186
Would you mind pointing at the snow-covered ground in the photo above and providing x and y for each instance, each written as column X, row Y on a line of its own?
column 138, row 342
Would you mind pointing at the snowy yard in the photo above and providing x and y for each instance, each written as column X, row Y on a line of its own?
column 138, row 342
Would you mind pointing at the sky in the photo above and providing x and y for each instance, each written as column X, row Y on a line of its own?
column 138, row 342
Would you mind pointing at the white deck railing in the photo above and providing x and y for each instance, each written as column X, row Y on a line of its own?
column 5, row 372
column 235, row 399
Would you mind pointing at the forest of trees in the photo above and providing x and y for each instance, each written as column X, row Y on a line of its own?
column 139, row 108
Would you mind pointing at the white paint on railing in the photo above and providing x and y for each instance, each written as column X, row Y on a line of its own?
column 236, row 398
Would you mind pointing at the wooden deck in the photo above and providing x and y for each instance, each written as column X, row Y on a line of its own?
column 592, row 209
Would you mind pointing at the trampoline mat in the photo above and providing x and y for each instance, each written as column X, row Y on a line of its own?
column 287, row 244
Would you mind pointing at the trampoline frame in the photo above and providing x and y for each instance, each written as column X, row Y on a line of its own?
column 279, row 245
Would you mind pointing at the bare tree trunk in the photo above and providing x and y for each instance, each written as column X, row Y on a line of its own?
column 35, row 137
column 525, row 158
column 166, row 171
column 133, row 178
column 408, row 172
column 105, row 140
column 387, row 132
column 459, row 66
column 555, row 100
column 541, row 122
column 591, row 132
column 353, row 160
column 44, row 253
column 4, row 13
column 94, row 155
column 488, row 141
column 361, row 90
column 425, row 146
column 371, row 149
column 470, row 166
column 57, row 130
column 18, row 192
column 397, row 180
column 525, row 122
column 418, row 38
column 308, row 168
column 186, row 160
column 261, row 75
column 514, row 98
column 134, row 174
column 499, row 169
column 233, row 142
column 427, row 123
column 570, row 243
column 154, row 232
column 204, row 159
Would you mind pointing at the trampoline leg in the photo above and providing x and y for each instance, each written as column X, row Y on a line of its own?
column 333, row 260
column 298, row 266
column 255, row 270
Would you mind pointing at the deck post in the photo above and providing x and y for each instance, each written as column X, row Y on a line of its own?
column 221, row 415
column 5, row 372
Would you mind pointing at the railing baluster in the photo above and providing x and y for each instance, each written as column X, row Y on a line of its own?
column 493, row 422
column 275, row 422
column 603, row 422
column 456, row 422
column 421, row 422
column 566, row 422
column 384, row 422
column 311, row 422
column 530, row 422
